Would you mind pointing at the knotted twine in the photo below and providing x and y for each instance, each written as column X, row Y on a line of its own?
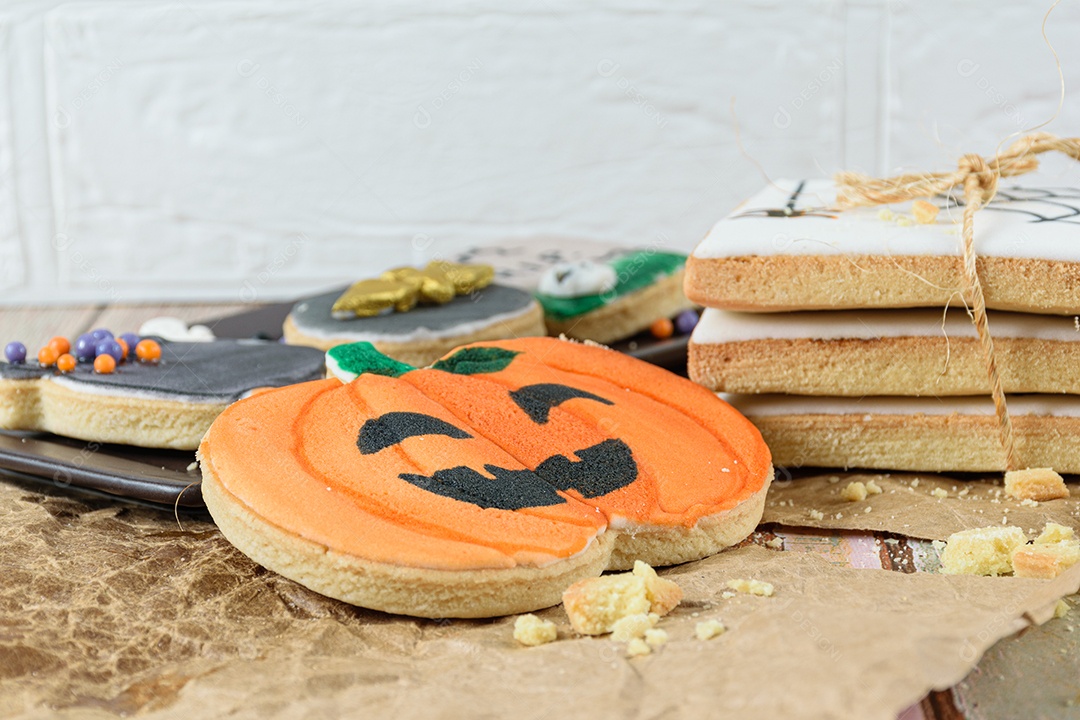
column 978, row 177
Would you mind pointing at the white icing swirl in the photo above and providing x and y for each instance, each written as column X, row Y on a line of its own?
column 568, row 280
column 175, row 330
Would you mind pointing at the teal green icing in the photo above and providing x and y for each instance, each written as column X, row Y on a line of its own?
column 362, row 357
column 475, row 360
column 634, row 272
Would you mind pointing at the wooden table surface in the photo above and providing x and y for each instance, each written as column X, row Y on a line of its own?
column 1005, row 684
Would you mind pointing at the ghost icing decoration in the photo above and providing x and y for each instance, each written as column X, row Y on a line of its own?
column 485, row 484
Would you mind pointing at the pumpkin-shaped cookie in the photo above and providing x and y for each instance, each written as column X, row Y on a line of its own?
column 486, row 484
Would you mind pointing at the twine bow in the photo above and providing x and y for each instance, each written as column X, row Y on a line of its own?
column 978, row 177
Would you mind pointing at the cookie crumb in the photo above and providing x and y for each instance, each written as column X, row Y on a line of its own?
column 633, row 626
column 854, row 492
column 981, row 551
column 885, row 214
column 925, row 212
column 656, row 637
column 1035, row 484
column 708, row 629
column 940, row 493
column 775, row 543
column 751, row 587
column 193, row 466
column 867, row 509
column 727, row 594
column 637, row 648
column 1054, row 533
column 833, row 479
column 1053, row 552
column 872, row 488
column 1062, row 608
column 904, row 221
column 532, row 631
column 915, row 483
column 594, row 605
column 817, row 515
column 663, row 594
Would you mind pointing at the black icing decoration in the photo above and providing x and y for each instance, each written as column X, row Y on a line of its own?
column 314, row 315
column 602, row 468
column 537, row 400
column 393, row 427
column 217, row 371
column 509, row 490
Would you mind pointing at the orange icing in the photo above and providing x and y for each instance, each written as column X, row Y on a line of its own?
column 291, row 456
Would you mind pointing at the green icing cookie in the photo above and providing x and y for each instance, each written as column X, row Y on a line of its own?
column 634, row 272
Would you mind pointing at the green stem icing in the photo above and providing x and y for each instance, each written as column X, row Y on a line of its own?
column 634, row 272
column 475, row 360
column 362, row 357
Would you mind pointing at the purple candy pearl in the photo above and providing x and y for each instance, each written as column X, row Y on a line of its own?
column 86, row 348
column 686, row 321
column 15, row 352
column 101, row 334
column 132, row 340
column 110, row 347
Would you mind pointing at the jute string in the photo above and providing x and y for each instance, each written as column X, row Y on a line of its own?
column 978, row 178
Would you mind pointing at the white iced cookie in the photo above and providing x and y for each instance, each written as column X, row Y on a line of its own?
column 578, row 279
column 175, row 330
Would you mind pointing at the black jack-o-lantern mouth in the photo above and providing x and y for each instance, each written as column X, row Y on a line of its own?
column 600, row 469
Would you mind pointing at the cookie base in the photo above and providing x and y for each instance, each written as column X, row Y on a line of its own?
column 903, row 366
column 421, row 353
column 46, row 406
column 921, row 443
column 627, row 315
column 821, row 282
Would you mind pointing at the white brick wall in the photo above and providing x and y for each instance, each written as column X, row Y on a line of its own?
column 253, row 150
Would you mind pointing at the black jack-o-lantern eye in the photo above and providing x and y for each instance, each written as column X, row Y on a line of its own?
column 393, row 427
column 537, row 400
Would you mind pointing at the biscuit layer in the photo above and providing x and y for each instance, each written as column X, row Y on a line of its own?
column 881, row 352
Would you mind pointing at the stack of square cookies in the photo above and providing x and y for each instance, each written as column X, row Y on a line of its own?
column 830, row 331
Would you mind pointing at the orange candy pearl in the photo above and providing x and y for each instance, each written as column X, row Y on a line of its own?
column 66, row 363
column 60, row 345
column 148, row 351
column 662, row 328
column 104, row 364
column 124, row 347
column 47, row 356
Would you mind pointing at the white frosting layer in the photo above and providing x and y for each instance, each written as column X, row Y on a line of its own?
column 419, row 334
column 175, row 329
column 334, row 369
column 141, row 393
column 774, row 405
column 721, row 326
column 1004, row 229
column 577, row 279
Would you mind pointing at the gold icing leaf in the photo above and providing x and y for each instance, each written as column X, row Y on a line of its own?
column 431, row 288
column 368, row 298
column 466, row 278
column 402, row 288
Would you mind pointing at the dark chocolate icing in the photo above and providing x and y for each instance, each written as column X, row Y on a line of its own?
column 222, row 370
column 313, row 314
